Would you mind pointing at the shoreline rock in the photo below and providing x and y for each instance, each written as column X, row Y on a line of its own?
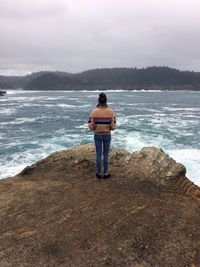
column 150, row 163
column 55, row 213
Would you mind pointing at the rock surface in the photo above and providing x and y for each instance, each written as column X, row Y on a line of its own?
column 55, row 213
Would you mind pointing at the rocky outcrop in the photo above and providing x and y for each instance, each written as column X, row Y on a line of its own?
column 56, row 213
column 150, row 163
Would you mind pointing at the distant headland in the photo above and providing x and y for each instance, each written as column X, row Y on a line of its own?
column 150, row 78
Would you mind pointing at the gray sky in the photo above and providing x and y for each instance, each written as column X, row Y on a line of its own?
column 77, row 35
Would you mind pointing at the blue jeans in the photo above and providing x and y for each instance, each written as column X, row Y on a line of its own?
column 104, row 139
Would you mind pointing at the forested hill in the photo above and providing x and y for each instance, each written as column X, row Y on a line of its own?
column 108, row 78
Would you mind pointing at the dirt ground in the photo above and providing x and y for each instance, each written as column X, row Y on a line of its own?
column 64, row 216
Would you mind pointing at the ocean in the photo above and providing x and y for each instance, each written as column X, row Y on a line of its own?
column 33, row 124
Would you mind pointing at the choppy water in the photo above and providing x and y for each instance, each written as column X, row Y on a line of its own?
column 34, row 124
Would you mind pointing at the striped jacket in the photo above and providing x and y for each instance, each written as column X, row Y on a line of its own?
column 102, row 120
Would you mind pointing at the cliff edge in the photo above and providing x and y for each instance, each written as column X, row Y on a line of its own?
column 55, row 213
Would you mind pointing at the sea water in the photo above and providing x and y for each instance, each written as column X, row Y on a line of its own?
column 34, row 124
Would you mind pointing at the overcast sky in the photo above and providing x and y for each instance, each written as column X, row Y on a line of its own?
column 77, row 35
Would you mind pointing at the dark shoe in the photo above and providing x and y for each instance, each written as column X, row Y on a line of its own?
column 98, row 176
column 107, row 176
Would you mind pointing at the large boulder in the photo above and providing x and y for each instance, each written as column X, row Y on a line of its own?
column 153, row 164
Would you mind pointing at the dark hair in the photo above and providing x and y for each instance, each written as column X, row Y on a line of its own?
column 102, row 101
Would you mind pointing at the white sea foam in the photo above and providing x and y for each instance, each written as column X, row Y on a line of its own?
column 55, row 98
column 106, row 90
column 66, row 106
column 190, row 116
column 10, row 169
column 18, row 92
column 130, row 117
column 84, row 126
column 132, row 104
column 190, row 158
column 116, row 91
column 122, row 120
column 61, row 131
column 27, row 98
column 48, row 105
column 86, row 106
column 3, row 98
column 174, row 121
column 19, row 161
column 7, row 111
column 181, row 109
column 147, row 91
column 2, row 135
column 31, row 105
column 18, row 98
column 92, row 96
column 13, row 92
column 149, row 109
column 73, row 99
column 20, row 121
column 141, row 115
